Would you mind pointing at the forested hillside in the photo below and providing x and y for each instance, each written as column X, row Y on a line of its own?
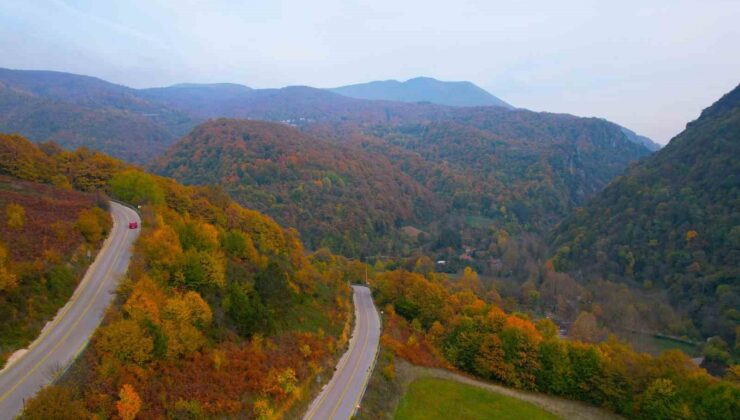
column 222, row 313
column 352, row 184
column 336, row 195
column 79, row 111
column 47, row 234
column 672, row 223
column 538, row 165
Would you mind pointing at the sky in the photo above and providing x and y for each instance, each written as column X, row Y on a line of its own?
column 650, row 65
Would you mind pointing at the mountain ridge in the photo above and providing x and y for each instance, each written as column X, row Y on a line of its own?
column 139, row 124
column 670, row 222
column 423, row 89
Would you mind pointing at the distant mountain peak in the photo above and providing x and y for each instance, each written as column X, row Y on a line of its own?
column 423, row 89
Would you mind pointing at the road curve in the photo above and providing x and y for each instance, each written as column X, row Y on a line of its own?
column 70, row 330
column 341, row 396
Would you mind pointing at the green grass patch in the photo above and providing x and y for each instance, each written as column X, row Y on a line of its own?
column 656, row 345
column 430, row 398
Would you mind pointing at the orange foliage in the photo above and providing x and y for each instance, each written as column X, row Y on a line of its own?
column 129, row 403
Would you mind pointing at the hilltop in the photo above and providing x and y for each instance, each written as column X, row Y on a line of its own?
column 423, row 89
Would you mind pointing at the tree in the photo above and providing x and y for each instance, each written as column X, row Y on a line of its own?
column 136, row 187
column 272, row 285
column 189, row 308
column 733, row 374
column 660, row 401
column 129, row 403
column 555, row 372
column 239, row 245
column 162, row 247
column 559, row 294
column 90, row 224
column 246, row 311
column 8, row 280
column 54, row 402
column 424, row 265
column 126, row 340
column 470, row 281
column 520, row 341
column 202, row 269
column 182, row 339
column 586, row 329
column 198, row 235
column 587, row 367
column 490, row 361
column 15, row 216
column 547, row 328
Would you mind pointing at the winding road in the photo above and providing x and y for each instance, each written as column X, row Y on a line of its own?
column 341, row 396
column 66, row 336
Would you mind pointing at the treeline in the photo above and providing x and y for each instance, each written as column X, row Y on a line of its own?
column 222, row 312
column 429, row 323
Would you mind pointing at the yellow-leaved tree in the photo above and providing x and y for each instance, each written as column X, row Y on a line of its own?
column 8, row 280
column 15, row 216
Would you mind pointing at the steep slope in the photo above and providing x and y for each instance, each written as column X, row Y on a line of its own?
column 671, row 222
column 537, row 165
column 336, row 195
column 638, row 139
column 222, row 312
column 84, row 111
column 423, row 89
column 45, row 233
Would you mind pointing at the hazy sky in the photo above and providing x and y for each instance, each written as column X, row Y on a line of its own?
column 649, row 65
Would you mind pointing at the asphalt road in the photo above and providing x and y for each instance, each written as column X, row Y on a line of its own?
column 68, row 334
column 341, row 396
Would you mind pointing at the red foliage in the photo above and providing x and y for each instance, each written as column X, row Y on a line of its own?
column 50, row 217
column 408, row 344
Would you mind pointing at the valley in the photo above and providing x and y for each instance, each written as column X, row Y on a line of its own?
column 525, row 248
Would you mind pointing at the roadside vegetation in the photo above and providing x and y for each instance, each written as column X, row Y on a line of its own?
column 48, row 237
column 431, row 321
column 222, row 313
column 391, row 380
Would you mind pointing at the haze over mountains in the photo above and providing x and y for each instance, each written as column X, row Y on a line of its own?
column 423, row 89
column 138, row 124
column 577, row 220
column 79, row 110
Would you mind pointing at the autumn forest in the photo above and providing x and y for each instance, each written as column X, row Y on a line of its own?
column 544, row 252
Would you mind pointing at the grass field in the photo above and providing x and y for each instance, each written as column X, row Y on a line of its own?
column 431, row 398
column 656, row 345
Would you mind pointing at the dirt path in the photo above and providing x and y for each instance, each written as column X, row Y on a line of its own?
column 567, row 409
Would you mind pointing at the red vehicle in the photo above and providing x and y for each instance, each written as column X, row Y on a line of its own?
column 133, row 225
